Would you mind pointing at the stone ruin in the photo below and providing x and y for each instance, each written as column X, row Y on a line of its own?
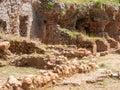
column 16, row 17
column 27, row 18
column 40, row 19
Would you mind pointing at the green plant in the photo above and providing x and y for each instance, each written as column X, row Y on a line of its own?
column 98, row 4
column 90, row 37
column 63, row 13
column 72, row 34
column 49, row 5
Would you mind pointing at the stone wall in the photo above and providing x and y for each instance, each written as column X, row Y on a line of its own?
column 4, row 18
column 11, row 12
column 39, row 19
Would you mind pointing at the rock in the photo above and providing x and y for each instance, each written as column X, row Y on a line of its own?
column 114, row 75
column 113, row 43
column 14, row 81
column 117, row 51
column 104, row 53
column 13, row 84
column 105, row 71
column 27, row 83
column 73, row 69
column 25, row 46
column 81, row 69
column 38, row 80
column 93, row 66
column 46, row 79
column 4, row 45
column 3, row 63
column 85, row 52
column 91, row 81
column 88, row 44
column 54, row 82
column 102, row 45
column 27, row 80
column 37, row 61
column 53, row 76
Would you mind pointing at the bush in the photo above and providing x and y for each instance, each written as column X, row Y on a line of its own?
column 49, row 5
column 98, row 4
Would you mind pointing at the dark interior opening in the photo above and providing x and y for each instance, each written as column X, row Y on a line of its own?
column 83, row 23
column 45, row 21
column 3, row 26
column 23, row 25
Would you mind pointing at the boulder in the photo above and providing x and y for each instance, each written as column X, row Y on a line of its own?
column 13, row 81
column 27, row 83
column 27, row 80
column 118, row 51
column 104, row 53
column 102, row 45
column 4, row 45
column 113, row 43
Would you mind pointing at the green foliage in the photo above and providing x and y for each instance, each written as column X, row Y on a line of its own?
column 98, row 1
column 63, row 13
column 72, row 34
column 89, row 37
column 98, row 4
column 49, row 5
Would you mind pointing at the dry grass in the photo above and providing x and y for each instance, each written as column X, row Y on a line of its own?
column 88, row 1
column 74, row 34
column 16, row 71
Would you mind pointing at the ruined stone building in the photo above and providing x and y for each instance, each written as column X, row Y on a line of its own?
column 27, row 18
column 16, row 17
column 39, row 18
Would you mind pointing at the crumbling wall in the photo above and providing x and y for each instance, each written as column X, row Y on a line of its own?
column 113, row 27
column 4, row 18
column 11, row 12
column 45, row 15
column 39, row 23
column 39, row 19
column 26, row 13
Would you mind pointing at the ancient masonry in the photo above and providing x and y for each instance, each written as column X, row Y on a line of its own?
column 16, row 17
column 26, row 18
column 39, row 18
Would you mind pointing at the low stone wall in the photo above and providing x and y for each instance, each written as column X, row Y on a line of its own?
column 38, row 81
column 102, row 45
column 25, row 47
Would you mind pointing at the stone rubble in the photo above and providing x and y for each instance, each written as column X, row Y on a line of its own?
column 38, row 81
column 36, row 20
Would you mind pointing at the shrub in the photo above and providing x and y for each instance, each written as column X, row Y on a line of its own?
column 49, row 5
column 98, row 4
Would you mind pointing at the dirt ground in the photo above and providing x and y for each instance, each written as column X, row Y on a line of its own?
column 78, row 81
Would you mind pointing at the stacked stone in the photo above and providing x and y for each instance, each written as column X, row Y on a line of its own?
column 48, row 14
column 25, row 47
column 76, row 53
column 4, row 18
column 10, row 11
column 74, row 67
column 45, row 77
column 13, row 12
column 26, row 20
